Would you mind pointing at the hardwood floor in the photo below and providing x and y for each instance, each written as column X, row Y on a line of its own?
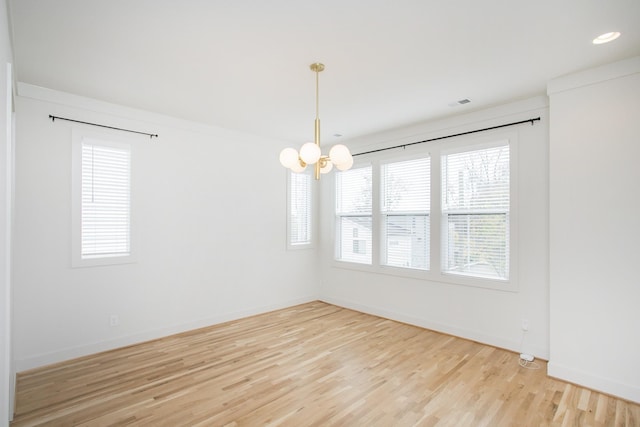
column 309, row 365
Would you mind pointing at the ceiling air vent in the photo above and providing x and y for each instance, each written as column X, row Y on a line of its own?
column 460, row 102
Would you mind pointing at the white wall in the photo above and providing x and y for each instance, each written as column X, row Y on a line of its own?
column 486, row 315
column 595, row 228
column 6, row 377
column 211, row 210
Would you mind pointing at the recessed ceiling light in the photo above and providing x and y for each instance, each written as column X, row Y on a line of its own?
column 606, row 37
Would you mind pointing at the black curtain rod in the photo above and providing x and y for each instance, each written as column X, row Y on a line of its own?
column 450, row 136
column 150, row 135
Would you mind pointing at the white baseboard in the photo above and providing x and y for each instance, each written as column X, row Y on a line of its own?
column 97, row 347
column 594, row 382
column 440, row 327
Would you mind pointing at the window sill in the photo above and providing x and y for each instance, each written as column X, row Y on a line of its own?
column 431, row 276
column 78, row 262
column 300, row 246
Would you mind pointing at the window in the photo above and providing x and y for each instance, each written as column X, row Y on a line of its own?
column 405, row 205
column 102, row 201
column 475, row 212
column 300, row 206
column 353, row 215
column 444, row 215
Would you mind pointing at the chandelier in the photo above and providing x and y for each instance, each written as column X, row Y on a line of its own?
column 310, row 153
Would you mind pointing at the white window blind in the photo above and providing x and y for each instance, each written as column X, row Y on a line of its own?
column 353, row 215
column 475, row 211
column 405, row 209
column 300, row 209
column 105, row 200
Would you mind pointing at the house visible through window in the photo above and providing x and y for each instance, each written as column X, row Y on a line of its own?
column 354, row 215
column 405, row 205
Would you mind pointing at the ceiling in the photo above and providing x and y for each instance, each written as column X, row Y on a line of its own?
column 244, row 64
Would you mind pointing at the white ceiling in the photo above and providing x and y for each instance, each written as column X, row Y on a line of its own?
column 244, row 64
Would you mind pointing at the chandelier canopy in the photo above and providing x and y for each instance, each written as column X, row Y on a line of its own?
column 310, row 153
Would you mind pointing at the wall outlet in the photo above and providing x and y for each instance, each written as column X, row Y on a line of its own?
column 114, row 320
column 525, row 324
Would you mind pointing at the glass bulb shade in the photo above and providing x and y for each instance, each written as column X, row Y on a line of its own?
column 340, row 154
column 297, row 167
column 327, row 167
column 345, row 166
column 310, row 153
column 288, row 157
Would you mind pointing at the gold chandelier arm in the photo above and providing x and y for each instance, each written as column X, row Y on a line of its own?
column 317, row 141
column 317, row 94
column 317, row 67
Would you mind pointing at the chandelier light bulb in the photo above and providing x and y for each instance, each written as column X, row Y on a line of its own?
column 288, row 157
column 310, row 153
column 345, row 166
column 327, row 167
column 340, row 154
column 297, row 167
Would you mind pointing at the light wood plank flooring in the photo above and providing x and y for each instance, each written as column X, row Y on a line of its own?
column 309, row 365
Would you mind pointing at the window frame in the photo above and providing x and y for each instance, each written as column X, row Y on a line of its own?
column 339, row 216
column 434, row 151
column 384, row 215
column 107, row 139
column 310, row 244
column 444, row 213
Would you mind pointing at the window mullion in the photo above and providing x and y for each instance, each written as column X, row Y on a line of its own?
column 437, row 246
column 376, row 217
